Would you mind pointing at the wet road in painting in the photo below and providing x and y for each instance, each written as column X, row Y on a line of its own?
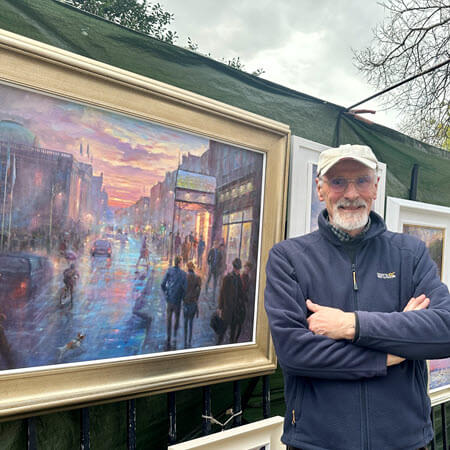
column 118, row 308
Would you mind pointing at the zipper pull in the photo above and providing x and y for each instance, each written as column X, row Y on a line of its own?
column 355, row 284
column 293, row 417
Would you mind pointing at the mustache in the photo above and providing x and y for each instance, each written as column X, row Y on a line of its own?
column 345, row 203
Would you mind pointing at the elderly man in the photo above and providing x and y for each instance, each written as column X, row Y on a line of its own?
column 354, row 312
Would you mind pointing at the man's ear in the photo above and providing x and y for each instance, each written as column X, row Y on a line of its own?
column 376, row 189
column 319, row 190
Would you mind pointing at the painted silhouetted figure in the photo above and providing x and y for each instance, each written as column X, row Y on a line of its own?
column 200, row 250
column 5, row 349
column 214, row 260
column 177, row 244
column 144, row 253
column 174, row 286
column 232, row 303
column 190, row 302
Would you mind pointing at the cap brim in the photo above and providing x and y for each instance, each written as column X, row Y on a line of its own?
column 366, row 162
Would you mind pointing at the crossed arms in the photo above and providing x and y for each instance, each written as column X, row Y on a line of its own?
column 337, row 324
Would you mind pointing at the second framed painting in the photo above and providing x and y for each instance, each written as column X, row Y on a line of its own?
column 129, row 212
column 304, row 205
column 431, row 224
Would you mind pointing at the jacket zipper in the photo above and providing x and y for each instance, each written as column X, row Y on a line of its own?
column 355, row 284
column 362, row 386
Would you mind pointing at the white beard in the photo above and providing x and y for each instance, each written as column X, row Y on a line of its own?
column 350, row 220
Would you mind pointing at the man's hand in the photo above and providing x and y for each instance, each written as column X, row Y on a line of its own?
column 331, row 322
column 414, row 304
column 417, row 303
column 393, row 360
column 337, row 324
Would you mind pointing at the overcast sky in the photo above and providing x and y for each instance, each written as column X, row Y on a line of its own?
column 302, row 44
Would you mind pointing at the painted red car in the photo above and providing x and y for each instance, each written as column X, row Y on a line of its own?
column 101, row 247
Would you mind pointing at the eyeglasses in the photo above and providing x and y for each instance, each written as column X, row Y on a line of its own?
column 340, row 184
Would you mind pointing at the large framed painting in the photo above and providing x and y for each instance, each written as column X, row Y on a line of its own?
column 304, row 205
column 136, row 219
column 431, row 224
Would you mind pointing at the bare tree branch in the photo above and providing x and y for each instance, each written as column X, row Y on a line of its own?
column 414, row 37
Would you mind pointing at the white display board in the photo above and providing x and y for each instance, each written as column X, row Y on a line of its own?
column 262, row 435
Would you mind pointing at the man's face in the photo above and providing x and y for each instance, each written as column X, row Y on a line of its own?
column 348, row 210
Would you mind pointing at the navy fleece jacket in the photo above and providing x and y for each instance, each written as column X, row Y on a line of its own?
column 340, row 394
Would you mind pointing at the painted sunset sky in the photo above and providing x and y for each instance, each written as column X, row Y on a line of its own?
column 132, row 154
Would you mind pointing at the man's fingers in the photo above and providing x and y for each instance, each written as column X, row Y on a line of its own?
column 417, row 303
column 413, row 302
column 312, row 306
column 393, row 360
column 423, row 305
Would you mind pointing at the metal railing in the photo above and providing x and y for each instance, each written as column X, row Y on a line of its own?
column 205, row 426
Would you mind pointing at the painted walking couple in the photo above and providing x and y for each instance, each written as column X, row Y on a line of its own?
column 181, row 289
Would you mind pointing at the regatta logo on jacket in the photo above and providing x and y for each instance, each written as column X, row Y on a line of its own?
column 386, row 276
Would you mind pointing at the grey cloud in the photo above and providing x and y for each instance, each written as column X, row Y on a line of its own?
column 259, row 31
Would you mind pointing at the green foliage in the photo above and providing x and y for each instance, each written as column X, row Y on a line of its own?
column 191, row 45
column 236, row 63
column 146, row 17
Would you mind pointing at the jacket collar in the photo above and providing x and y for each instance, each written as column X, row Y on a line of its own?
column 377, row 227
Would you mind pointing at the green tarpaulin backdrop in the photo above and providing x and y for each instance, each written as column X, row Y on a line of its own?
column 62, row 26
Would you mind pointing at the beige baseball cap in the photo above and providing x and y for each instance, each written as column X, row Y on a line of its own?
column 361, row 153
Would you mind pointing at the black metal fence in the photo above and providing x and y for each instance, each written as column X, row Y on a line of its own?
column 232, row 417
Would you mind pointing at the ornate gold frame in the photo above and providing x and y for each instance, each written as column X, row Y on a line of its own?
column 47, row 69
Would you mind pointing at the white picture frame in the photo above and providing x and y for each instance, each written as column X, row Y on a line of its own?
column 264, row 434
column 302, row 200
column 400, row 212
column 410, row 216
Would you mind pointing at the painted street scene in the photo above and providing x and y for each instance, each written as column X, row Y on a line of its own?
column 433, row 238
column 439, row 373
column 119, row 237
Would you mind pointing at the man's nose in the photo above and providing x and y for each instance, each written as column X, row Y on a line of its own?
column 351, row 191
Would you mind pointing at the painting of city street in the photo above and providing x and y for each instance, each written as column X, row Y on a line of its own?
column 439, row 374
column 120, row 237
column 433, row 238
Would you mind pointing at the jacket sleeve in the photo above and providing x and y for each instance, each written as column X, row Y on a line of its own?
column 299, row 351
column 423, row 334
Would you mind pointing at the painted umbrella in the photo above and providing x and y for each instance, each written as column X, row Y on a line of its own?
column 70, row 255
